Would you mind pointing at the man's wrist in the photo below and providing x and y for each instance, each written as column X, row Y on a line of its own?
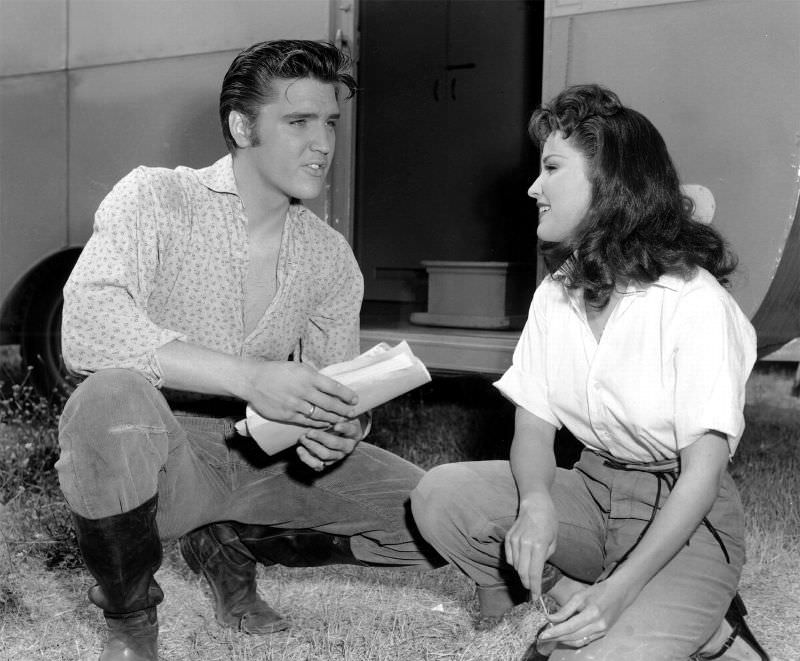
column 242, row 377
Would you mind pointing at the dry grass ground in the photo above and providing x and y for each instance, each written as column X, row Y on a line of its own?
column 360, row 614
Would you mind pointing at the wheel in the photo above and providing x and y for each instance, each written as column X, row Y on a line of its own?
column 40, row 343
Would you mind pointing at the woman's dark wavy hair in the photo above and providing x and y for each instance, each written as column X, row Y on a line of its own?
column 248, row 83
column 639, row 225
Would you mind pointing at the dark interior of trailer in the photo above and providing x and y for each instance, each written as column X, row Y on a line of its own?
column 443, row 160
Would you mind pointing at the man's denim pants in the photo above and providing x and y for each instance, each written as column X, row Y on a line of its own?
column 121, row 444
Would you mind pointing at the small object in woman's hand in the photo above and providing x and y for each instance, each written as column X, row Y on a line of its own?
column 544, row 606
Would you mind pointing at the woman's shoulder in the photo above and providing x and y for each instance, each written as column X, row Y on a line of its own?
column 696, row 284
column 551, row 286
column 700, row 285
column 550, row 290
column 551, row 299
column 702, row 297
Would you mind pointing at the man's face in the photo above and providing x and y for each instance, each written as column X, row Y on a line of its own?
column 293, row 140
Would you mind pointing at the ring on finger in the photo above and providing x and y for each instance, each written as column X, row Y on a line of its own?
column 311, row 412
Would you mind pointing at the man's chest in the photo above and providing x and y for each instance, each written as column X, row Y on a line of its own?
column 261, row 281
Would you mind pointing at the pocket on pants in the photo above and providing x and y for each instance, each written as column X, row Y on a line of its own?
column 207, row 438
column 635, row 495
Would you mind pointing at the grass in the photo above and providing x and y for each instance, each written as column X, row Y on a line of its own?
column 352, row 613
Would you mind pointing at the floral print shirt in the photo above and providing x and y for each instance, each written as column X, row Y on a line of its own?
column 168, row 260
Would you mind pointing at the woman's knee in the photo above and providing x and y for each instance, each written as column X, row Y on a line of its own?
column 441, row 494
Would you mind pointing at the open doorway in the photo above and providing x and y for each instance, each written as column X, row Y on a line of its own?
column 443, row 159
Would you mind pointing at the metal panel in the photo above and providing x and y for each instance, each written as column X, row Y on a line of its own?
column 571, row 7
column 719, row 78
column 33, row 157
column 778, row 318
column 33, row 36
column 450, row 349
column 163, row 112
column 341, row 191
column 109, row 31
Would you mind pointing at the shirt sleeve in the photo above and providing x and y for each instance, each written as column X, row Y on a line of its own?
column 105, row 322
column 716, row 350
column 332, row 331
column 525, row 382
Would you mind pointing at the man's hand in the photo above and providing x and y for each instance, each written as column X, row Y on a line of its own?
column 321, row 448
column 532, row 539
column 296, row 393
column 278, row 390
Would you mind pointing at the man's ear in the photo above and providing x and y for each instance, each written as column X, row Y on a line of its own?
column 239, row 128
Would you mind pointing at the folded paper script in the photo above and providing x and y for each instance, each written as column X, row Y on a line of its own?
column 378, row 375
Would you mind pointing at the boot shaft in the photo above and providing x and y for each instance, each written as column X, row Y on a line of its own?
column 122, row 553
column 296, row 548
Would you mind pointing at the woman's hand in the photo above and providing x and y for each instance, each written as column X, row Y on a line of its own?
column 319, row 448
column 532, row 539
column 589, row 613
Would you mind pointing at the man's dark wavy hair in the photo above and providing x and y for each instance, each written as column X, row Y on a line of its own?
column 639, row 225
column 248, row 83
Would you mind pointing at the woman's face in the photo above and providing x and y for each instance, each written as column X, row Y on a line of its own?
column 562, row 190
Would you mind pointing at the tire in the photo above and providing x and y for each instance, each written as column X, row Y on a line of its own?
column 40, row 342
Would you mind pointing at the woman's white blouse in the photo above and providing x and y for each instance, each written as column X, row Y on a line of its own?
column 671, row 364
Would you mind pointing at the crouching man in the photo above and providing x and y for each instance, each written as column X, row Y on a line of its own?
column 201, row 291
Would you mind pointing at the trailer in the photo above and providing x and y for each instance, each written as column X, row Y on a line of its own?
column 432, row 166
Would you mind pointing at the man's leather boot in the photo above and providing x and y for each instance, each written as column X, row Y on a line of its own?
column 296, row 548
column 216, row 552
column 227, row 553
column 123, row 552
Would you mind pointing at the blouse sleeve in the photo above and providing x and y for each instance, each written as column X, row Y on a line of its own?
column 716, row 349
column 332, row 331
column 105, row 322
column 525, row 382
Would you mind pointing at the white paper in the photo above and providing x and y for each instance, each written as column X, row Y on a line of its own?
column 377, row 376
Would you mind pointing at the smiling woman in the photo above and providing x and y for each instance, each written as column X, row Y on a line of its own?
column 633, row 344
